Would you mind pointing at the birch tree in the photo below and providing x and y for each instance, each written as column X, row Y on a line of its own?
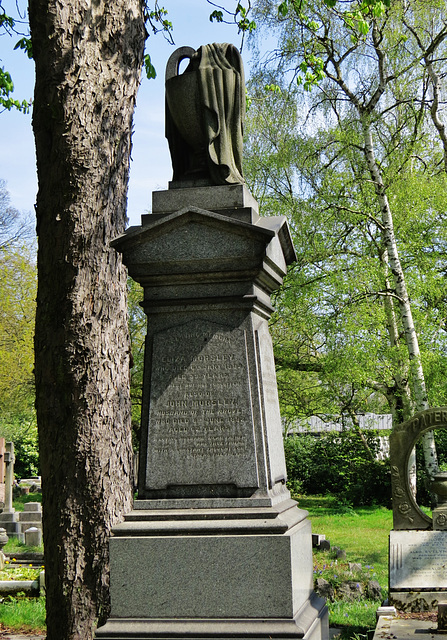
column 370, row 82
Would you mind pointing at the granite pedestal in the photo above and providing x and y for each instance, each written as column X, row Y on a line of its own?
column 214, row 546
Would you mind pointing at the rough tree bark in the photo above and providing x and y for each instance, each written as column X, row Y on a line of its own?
column 88, row 60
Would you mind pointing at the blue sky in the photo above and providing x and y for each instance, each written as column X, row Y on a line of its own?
column 151, row 165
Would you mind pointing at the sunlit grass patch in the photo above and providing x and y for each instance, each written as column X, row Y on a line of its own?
column 23, row 614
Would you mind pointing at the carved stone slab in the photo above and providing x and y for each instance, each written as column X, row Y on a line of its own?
column 418, row 560
column 406, row 512
column 200, row 422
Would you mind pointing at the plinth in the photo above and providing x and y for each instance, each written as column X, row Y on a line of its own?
column 214, row 546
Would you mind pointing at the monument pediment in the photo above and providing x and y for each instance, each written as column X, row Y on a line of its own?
column 166, row 242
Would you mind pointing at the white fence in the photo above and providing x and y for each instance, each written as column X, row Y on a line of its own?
column 367, row 421
column 317, row 424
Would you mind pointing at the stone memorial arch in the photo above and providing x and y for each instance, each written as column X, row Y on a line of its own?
column 418, row 542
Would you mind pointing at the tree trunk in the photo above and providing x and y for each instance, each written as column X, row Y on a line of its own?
column 417, row 379
column 88, row 61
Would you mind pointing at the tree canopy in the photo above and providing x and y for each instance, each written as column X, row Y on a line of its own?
column 357, row 164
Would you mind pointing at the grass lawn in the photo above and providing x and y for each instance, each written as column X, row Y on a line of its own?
column 23, row 615
column 363, row 533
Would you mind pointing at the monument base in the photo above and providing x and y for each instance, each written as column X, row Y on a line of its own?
column 311, row 623
column 417, row 576
column 414, row 601
column 207, row 573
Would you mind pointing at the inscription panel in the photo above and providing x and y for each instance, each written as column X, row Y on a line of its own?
column 418, row 560
column 200, row 418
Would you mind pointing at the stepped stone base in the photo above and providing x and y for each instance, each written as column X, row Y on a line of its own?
column 308, row 624
column 227, row 573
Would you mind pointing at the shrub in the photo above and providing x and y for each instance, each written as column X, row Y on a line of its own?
column 22, row 431
column 339, row 463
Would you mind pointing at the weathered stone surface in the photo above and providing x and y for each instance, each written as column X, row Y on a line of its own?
column 418, row 560
column 34, row 507
column 324, row 589
column 205, row 108
column 414, row 601
column 350, row 590
column 206, row 576
column 373, row 590
column 354, row 566
column 235, row 200
column 214, row 547
column 440, row 518
column 442, row 616
column 33, row 537
column 406, row 513
column 201, row 430
column 309, row 623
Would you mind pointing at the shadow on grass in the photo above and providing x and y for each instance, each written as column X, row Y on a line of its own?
column 331, row 506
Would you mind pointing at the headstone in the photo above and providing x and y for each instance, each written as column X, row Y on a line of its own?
column 325, row 545
column 418, row 543
column 3, row 537
column 214, row 546
column 350, row 590
column 31, row 516
column 8, row 517
column 324, row 589
column 317, row 539
column 33, row 537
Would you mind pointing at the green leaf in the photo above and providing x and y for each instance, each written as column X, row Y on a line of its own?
column 283, row 9
column 217, row 16
column 26, row 45
column 150, row 69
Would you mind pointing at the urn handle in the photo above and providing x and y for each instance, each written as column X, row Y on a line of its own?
column 175, row 59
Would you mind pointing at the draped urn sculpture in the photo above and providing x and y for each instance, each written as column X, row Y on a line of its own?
column 205, row 109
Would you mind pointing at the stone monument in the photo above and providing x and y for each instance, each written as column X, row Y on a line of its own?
column 8, row 517
column 214, row 546
column 418, row 543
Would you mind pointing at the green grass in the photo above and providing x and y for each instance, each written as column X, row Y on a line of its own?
column 353, row 619
column 363, row 533
column 14, row 546
column 20, row 501
column 23, row 614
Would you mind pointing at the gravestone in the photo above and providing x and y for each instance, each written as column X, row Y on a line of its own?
column 31, row 516
column 418, row 543
column 214, row 546
column 2, row 472
column 8, row 517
